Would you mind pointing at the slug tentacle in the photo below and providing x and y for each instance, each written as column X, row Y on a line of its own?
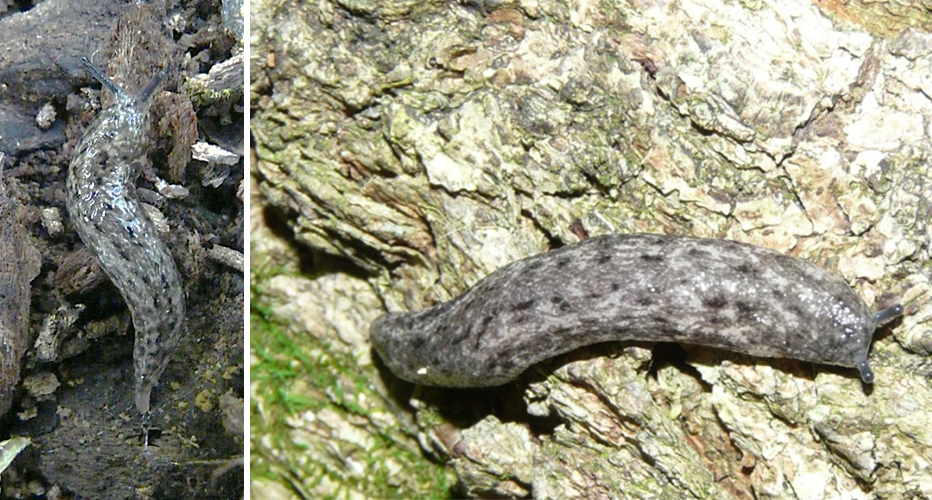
column 99, row 75
column 718, row 293
column 888, row 314
column 867, row 375
column 104, row 209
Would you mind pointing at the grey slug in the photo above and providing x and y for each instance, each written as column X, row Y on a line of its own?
column 647, row 287
column 102, row 205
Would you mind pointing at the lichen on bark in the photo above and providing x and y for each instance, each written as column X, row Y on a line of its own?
column 428, row 144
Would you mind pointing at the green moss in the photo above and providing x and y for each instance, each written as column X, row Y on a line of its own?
column 294, row 373
column 201, row 95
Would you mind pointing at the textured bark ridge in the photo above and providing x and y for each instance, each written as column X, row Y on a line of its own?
column 429, row 144
column 19, row 265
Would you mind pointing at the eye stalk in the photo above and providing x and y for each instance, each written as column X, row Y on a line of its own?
column 867, row 375
column 886, row 315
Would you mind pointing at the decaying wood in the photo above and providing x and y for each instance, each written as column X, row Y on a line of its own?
column 19, row 265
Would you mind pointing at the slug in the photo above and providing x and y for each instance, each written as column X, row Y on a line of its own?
column 102, row 205
column 646, row 287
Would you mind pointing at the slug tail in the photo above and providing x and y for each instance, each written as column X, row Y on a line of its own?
column 143, row 393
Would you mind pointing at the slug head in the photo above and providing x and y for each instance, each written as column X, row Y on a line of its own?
column 122, row 128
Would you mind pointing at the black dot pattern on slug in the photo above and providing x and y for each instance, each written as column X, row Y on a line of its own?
column 110, row 220
column 717, row 293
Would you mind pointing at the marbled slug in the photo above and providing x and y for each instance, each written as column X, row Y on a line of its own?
column 102, row 205
column 647, row 287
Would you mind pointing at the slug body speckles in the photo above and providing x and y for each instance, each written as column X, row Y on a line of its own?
column 102, row 205
column 717, row 293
